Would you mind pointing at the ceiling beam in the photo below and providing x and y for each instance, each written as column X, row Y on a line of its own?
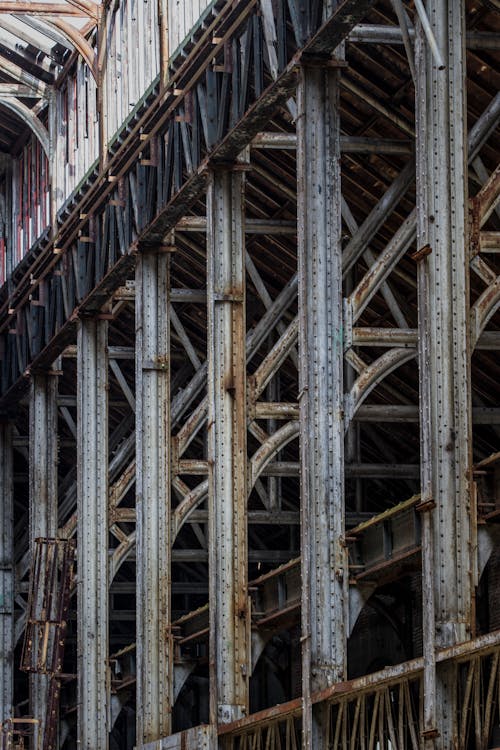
column 14, row 50
column 45, row 9
column 16, row 90
column 79, row 41
column 21, row 30
column 44, row 29
column 88, row 7
column 37, row 86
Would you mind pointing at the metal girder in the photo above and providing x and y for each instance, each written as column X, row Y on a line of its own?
column 38, row 87
column 324, row 561
column 248, row 106
column 43, row 457
column 92, row 509
column 227, row 485
column 448, row 527
column 349, row 144
column 366, row 33
column 254, row 726
column 79, row 41
column 377, row 216
column 153, row 481
column 43, row 29
column 252, row 226
column 22, row 31
column 6, row 572
column 16, row 90
column 42, row 8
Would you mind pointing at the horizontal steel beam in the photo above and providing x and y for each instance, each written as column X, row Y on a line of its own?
column 42, row 9
column 392, row 675
column 380, row 413
column 291, row 469
column 348, row 143
column 382, row 34
column 127, row 294
column 252, row 226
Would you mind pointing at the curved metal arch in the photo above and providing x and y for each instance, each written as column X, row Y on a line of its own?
column 30, row 119
column 79, row 42
column 258, row 462
column 120, row 554
column 269, row 449
column 190, row 502
column 483, row 310
column 373, row 375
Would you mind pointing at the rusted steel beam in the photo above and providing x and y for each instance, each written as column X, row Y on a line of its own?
column 252, row 226
column 43, row 488
column 448, row 526
column 80, row 43
column 348, row 144
column 273, row 361
column 390, row 676
column 93, row 529
column 6, row 572
column 487, row 199
column 37, row 86
column 88, row 7
column 199, row 467
column 262, row 718
column 153, row 482
column 42, row 9
column 227, row 484
column 320, row 261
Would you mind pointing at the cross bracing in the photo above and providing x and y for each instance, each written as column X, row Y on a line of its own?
column 249, row 366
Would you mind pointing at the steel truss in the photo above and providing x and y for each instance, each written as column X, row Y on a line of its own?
column 207, row 453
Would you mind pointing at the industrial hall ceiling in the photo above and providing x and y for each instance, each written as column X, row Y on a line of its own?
column 120, row 164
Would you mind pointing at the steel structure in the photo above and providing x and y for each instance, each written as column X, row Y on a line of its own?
column 249, row 339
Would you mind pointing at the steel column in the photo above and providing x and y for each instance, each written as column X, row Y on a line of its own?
column 6, row 572
column 229, row 606
column 324, row 563
column 92, row 509
column 449, row 565
column 154, row 654
column 42, row 494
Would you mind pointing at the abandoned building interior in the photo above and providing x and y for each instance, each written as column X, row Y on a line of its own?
column 249, row 374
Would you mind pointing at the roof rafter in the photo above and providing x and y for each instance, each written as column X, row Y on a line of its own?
column 88, row 7
column 13, row 50
column 45, row 9
column 37, row 86
column 16, row 90
column 21, row 30
column 43, row 28
column 79, row 41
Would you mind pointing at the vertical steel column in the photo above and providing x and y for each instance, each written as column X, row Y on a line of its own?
column 324, row 561
column 92, row 509
column 53, row 167
column 449, row 566
column 227, row 453
column 154, row 655
column 42, row 494
column 6, row 572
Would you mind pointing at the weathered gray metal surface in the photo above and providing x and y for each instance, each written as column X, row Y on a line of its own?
column 92, row 557
column 43, row 495
column 350, row 377
column 153, row 481
column 449, row 541
column 324, row 560
column 6, row 572
column 227, row 452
